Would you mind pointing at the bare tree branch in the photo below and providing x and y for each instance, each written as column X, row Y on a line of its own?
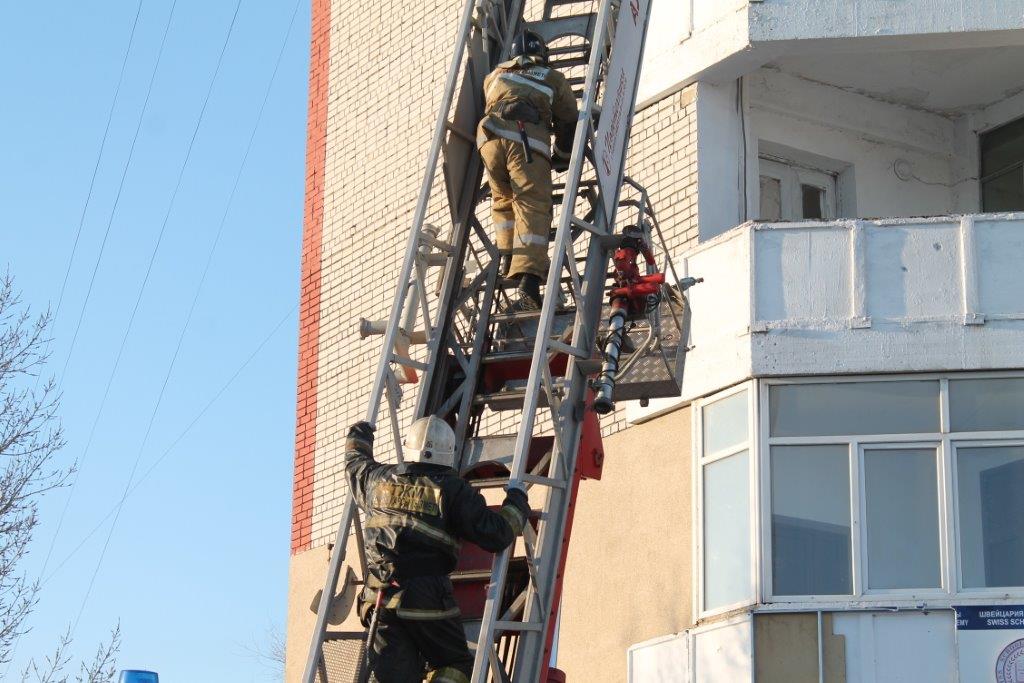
column 30, row 436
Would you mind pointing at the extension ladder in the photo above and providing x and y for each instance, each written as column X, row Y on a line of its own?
column 473, row 358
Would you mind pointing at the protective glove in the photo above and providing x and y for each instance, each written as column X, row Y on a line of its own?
column 515, row 509
column 360, row 437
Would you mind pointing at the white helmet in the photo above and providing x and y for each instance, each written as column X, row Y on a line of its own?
column 431, row 441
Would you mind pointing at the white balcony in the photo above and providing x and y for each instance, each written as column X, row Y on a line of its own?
column 856, row 296
column 720, row 40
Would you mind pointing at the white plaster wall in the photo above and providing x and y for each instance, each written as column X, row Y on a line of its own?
column 729, row 38
column 877, row 645
column 867, row 133
column 660, row 660
column 720, row 322
column 888, row 296
column 773, row 20
column 844, row 297
column 723, row 652
column 726, row 179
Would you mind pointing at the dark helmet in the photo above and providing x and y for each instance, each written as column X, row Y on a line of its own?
column 529, row 44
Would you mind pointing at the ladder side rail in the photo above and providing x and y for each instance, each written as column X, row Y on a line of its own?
column 622, row 178
column 562, row 244
column 391, row 334
column 323, row 610
column 430, row 396
column 419, row 215
column 584, row 336
column 485, row 644
column 531, row 648
column 463, row 424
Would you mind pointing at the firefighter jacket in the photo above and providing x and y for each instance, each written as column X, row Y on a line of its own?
column 538, row 96
column 416, row 515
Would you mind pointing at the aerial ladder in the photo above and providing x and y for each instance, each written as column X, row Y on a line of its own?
column 456, row 347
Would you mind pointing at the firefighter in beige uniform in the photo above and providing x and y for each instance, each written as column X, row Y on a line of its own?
column 525, row 101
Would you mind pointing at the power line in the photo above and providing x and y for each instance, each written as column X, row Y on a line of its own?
column 120, row 188
column 78, row 234
column 152, row 259
column 99, row 156
column 92, row 280
column 220, row 229
column 181, row 435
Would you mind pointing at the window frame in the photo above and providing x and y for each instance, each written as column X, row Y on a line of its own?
column 945, row 442
column 753, row 506
column 792, row 175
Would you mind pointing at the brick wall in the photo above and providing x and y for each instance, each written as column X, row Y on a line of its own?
column 386, row 71
column 309, row 313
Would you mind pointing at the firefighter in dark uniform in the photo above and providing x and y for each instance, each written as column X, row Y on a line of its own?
column 416, row 513
column 525, row 102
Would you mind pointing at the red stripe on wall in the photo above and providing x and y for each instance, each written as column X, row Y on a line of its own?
column 309, row 309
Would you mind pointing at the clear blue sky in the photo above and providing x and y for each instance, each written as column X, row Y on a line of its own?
column 196, row 569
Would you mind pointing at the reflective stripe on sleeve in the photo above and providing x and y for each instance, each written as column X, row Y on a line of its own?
column 447, row 674
column 514, row 517
column 504, row 226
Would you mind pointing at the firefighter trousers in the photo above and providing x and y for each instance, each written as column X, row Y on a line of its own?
column 424, row 634
column 520, row 204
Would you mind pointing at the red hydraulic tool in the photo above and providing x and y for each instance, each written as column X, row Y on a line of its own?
column 632, row 295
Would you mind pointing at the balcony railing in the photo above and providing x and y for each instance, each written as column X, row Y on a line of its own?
column 857, row 296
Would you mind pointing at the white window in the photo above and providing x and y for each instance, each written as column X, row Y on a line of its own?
column 899, row 487
column 724, row 501
column 901, row 518
column 810, row 523
column 791, row 192
column 990, row 496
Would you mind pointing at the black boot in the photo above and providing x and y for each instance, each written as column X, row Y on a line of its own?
column 504, row 264
column 529, row 292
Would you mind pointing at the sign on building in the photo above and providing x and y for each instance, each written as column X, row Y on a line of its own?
column 990, row 643
column 619, row 99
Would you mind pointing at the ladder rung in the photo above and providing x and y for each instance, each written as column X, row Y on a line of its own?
column 507, row 400
column 489, row 483
column 506, row 356
column 567, row 348
column 516, row 626
column 470, row 575
column 527, row 315
column 459, row 133
column 543, row 481
column 589, row 227
column 435, row 243
column 409, row 362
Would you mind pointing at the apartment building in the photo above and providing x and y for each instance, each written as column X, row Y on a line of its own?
column 837, row 494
